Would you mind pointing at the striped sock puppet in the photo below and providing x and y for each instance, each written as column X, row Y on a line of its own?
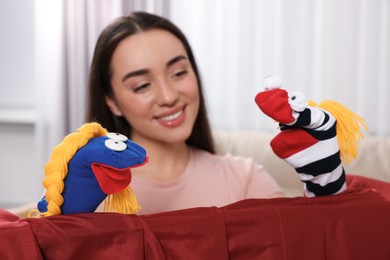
column 314, row 139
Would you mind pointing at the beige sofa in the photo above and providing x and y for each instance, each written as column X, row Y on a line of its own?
column 373, row 160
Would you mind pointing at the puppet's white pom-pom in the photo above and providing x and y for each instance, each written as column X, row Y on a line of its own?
column 272, row 82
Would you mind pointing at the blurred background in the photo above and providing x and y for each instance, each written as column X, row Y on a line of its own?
column 328, row 49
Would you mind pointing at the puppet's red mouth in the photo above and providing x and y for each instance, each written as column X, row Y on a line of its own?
column 111, row 180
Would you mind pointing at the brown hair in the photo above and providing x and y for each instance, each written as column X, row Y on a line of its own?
column 100, row 76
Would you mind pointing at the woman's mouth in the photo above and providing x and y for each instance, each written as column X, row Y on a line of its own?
column 171, row 117
column 172, row 120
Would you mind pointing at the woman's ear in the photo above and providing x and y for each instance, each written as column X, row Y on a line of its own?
column 112, row 105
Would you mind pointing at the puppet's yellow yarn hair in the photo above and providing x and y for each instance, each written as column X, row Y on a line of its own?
column 57, row 168
column 348, row 128
column 122, row 202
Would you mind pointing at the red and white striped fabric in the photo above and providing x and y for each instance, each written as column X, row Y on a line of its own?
column 307, row 141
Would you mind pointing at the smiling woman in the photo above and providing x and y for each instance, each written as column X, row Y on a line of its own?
column 154, row 89
column 144, row 83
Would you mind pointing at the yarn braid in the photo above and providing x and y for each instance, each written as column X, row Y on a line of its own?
column 57, row 167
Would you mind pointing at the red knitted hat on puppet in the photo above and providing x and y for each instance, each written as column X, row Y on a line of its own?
column 274, row 101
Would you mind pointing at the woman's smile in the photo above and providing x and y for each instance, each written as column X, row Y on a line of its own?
column 172, row 119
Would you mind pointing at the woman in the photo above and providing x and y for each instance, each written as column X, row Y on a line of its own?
column 144, row 83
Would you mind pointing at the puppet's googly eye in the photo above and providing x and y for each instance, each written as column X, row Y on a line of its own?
column 117, row 137
column 115, row 145
column 297, row 101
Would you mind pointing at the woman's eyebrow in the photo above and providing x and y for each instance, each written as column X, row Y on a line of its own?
column 175, row 60
column 146, row 71
column 135, row 73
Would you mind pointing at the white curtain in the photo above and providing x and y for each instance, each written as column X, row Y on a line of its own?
column 328, row 49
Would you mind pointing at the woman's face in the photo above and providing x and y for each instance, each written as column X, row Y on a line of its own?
column 154, row 87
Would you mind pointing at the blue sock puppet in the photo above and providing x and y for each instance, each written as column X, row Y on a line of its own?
column 89, row 166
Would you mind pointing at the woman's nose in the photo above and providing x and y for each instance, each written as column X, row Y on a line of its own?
column 167, row 94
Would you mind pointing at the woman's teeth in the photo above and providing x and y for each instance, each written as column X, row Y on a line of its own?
column 171, row 117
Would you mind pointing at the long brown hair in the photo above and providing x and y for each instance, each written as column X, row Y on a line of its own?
column 100, row 76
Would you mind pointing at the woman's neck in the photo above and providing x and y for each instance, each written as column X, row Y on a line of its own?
column 166, row 161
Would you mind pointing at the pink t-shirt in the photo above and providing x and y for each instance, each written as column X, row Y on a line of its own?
column 208, row 180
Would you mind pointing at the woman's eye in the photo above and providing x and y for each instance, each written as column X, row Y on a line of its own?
column 180, row 74
column 141, row 88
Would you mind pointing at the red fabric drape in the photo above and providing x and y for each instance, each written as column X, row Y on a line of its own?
column 353, row 225
column 17, row 240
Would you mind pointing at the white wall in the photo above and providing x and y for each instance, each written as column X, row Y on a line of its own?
column 16, row 53
column 19, row 181
column 19, row 175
